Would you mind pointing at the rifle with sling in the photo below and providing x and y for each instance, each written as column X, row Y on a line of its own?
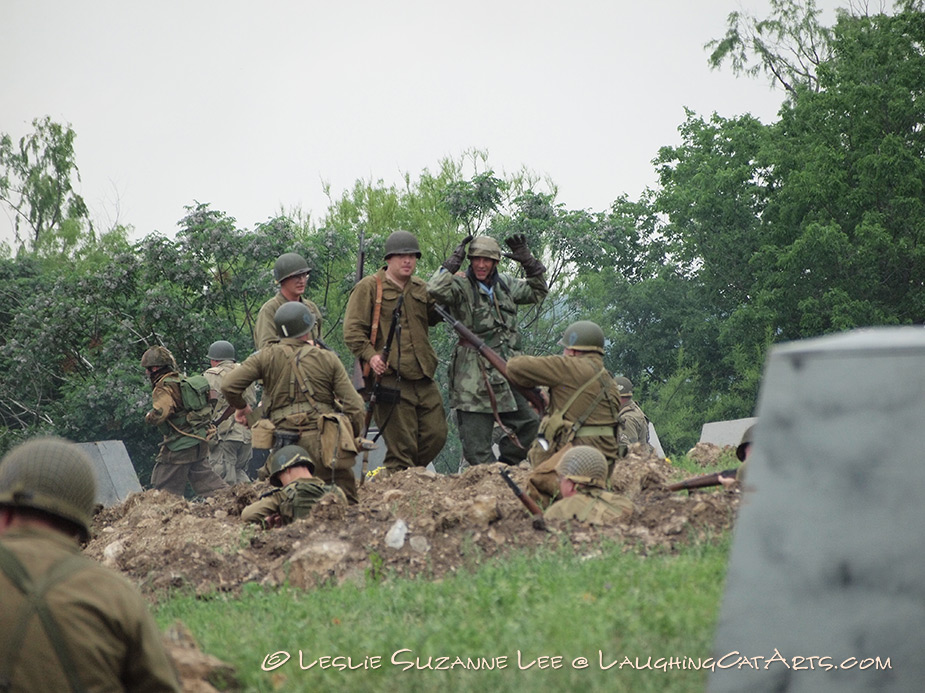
column 529, row 503
column 377, row 391
column 704, row 481
column 359, row 370
column 494, row 358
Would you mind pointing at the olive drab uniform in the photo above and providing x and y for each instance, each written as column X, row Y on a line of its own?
column 111, row 641
column 490, row 311
column 293, row 501
column 592, row 505
column 633, row 427
column 302, row 386
column 415, row 428
column 184, row 451
column 581, row 392
column 230, row 445
column 265, row 327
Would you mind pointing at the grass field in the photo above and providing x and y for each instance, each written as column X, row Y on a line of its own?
column 619, row 620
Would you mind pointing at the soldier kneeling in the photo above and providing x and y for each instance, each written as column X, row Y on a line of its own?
column 582, row 472
column 291, row 470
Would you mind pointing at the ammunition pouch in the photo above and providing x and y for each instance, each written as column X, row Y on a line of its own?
column 262, row 435
column 338, row 444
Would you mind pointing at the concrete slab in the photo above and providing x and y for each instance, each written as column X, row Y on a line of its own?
column 826, row 583
column 115, row 473
column 724, row 433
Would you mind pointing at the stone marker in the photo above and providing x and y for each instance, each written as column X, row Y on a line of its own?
column 826, row 579
column 115, row 474
column 724, row 433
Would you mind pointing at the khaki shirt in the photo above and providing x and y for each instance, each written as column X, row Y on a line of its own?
column 592, row 505
column 412, row 353
column 113, row 640
column 322, row 371
column 265, row 327
column 229, row 429
column 634, row 425
column 274, row 502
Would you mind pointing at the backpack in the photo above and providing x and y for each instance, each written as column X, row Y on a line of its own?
column 195, row 393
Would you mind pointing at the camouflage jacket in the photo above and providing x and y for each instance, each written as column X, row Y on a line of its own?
column 168, row 414
column 592, row 505
column 411, row 353
column 265, row 328
column 229, row 429
column 493, row 318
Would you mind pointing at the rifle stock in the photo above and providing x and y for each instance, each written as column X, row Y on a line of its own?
column 494, row 358
column 704, row 481
column 529, row 503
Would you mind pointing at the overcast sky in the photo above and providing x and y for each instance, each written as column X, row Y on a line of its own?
column 250, row 106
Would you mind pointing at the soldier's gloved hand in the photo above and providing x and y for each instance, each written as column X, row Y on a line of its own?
column 521, row 253
column 454, row 261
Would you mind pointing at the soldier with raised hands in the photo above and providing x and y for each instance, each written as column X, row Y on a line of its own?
column 485, row 301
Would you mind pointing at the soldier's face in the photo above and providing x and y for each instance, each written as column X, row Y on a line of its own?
column 482, row 267
column 402, row 266
column 293, row 287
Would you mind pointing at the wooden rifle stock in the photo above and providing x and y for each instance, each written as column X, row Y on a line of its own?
column 538, row 521
column 703, row 481
column 494, row 358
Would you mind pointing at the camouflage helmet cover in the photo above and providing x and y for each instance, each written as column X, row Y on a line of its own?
column 401, row 243
column 583, row 335
column 288, row 265
column 293, row 319
column 286, row 457
column 158, row 356
column 221, row 351
column 624, row 385
column 52, row 475
column 584, row 465
column 747, row 438
column 485, row 246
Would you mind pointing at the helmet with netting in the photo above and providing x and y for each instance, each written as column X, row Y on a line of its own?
column 624, row 385
column 286, row 457
column 221, row 351
column 583, row 335
column 485, row 246
column 293, row 319
column 52, row 475
column 401, row 243
column 158, row 356
column 584, row 465
column 288, row 265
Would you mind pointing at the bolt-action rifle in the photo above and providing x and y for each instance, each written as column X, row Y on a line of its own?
column 359, row 375
column 703, row 481
column 376, row 392
column 494, row 358
column 538, row 521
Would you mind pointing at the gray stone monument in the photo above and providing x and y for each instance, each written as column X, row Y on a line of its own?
column 724, row 433
column 826, row 583
column 115, row 473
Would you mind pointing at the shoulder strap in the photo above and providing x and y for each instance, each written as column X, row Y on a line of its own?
column 377, row 312
column 35, row 603
column 295, row 374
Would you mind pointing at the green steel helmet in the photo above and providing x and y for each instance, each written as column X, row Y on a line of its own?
column 158, row 356
column 584, row 465
column 485, row 246
column 289, row 264
column 286, row 457
column 747, row 438
column 624, row 385
column 52, row 475
column 221, row 351
column 401, row 243
column 293, row 319
column 583, row 335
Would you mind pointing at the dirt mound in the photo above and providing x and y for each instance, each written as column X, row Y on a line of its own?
column 414, row 523
column 711, row 455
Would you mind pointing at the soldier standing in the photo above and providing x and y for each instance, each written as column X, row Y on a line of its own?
column 486, row 301
column 184, row 452
column 633, row 424
column 69, row 624
column 307, row 396
column 584, row 403
column 582, row 475
column 230, row 445
column 291, row 273
column 411, row 417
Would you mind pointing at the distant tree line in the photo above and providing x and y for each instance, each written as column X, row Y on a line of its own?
column 755, row 234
